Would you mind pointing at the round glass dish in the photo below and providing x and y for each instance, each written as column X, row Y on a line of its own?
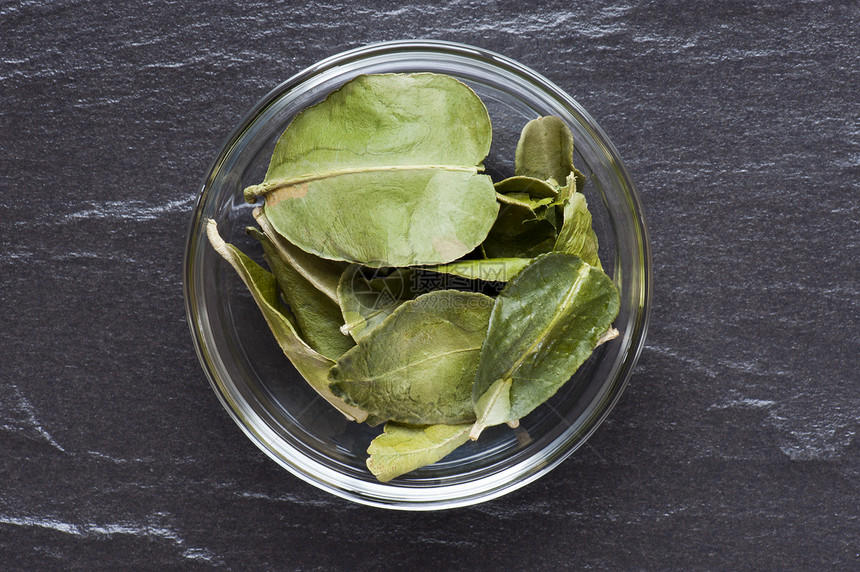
column 283, row 416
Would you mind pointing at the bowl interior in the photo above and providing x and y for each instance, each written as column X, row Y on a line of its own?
column 284, row 416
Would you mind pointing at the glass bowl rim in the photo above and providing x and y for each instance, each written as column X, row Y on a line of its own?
column 524, row 471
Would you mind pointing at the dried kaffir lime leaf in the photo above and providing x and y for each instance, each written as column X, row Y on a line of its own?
column 384, row 172
column 544, row 325
column 418, row 365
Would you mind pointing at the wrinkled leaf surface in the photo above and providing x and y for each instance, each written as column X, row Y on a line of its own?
column 577, row 235
column 544, row 325
column 545, row 150
column 403, row 448
column 418, row 365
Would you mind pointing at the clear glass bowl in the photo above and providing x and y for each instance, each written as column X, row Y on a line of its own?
column 283, row 416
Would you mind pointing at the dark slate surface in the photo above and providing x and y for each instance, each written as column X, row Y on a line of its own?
column 735, row 445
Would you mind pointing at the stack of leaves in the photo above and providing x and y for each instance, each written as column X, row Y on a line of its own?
column 404, row 285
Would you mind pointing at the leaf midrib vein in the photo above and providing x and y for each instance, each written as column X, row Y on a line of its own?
column 563, row 307
column 275, row 184
column 428, row 358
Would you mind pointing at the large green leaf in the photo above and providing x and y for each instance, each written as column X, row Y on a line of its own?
column 545, row 150
column 313, row 366
column 403, row 448
column 323, row 274
column 418, row 365
column 384, row 172
column 318, row 318
column 544, row 325
column 368, row 296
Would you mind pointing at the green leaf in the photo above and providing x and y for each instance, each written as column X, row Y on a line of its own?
column 545, row 150
column 577, row 235
column 323, row 274
column 318, row 318
column 373, row 420
column 367, row 297
column 580, row 180
column 313, row 366
column 522, row 200
column 384, row 172
column 488, row 269
column 493, row 407
column 529, row 218
column 544, row 325
column 521, row 231
column 418, row 365
column 534, row 187
column 403, row 448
